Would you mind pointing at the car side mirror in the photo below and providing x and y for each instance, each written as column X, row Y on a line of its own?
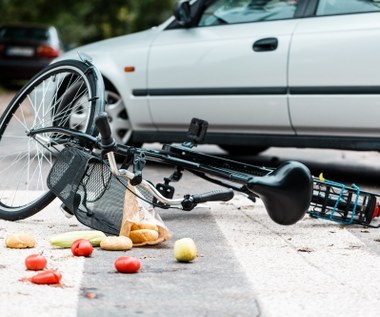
column 182, row 13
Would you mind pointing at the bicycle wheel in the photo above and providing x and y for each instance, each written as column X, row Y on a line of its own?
column 66, row 94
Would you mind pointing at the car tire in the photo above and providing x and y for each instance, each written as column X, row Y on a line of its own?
column 243, row 149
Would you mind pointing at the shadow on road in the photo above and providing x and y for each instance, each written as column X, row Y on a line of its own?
column 360, row 168
column 359, row 171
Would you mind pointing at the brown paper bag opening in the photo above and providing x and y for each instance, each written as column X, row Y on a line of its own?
column 141, row 223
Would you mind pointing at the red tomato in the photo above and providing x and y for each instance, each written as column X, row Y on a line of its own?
column 82, row 247
column 46, row 277
column 35, row 262
column 127, row 264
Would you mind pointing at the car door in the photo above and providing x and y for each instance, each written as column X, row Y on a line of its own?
column 333, row 70
column 230, row 69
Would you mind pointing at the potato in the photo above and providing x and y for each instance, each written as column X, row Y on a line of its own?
column 116, row 243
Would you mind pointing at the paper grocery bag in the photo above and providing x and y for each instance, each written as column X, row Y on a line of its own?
column 139, row 217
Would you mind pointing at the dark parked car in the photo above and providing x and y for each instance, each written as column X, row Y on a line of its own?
column 25, row 49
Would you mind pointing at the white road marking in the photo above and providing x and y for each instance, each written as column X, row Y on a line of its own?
column 313, row 268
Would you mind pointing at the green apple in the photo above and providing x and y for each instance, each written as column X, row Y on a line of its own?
column 185, row 250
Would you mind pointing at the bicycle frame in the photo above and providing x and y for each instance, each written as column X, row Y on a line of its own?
column 289, row 185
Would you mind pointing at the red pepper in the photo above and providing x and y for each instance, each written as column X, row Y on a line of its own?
column 46, row 277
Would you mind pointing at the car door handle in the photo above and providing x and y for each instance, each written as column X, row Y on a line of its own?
column 265, row 45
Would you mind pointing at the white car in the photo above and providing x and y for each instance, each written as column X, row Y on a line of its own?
column 262, row 73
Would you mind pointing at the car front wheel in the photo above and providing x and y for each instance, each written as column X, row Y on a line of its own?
column 120, row 123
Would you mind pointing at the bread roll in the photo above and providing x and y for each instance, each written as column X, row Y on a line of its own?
column 143, row 235
column 20, row 240
column 144, row 225
column 116, row 243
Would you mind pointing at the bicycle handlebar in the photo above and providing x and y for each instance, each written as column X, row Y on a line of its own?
column 216, row 195
column 190, row 201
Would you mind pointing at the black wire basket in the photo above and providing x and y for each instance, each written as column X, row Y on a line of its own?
column 87, row 187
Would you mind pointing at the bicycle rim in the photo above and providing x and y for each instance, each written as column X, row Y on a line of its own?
column 65, row 95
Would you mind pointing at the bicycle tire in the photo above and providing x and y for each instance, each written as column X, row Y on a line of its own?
column 68, row 94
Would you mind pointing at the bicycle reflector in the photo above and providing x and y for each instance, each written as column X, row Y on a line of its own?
column 343, row 204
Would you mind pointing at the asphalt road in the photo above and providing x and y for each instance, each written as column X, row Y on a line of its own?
column 246, row 265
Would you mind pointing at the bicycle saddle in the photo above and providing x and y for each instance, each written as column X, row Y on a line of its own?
column 286, row 192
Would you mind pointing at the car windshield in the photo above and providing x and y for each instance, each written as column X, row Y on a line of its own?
column 22, row 33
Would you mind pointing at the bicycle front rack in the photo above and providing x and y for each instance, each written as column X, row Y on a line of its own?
column 343, row 204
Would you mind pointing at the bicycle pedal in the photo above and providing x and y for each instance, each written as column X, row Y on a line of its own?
column 66, row 211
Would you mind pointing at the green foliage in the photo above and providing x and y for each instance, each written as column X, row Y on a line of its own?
column 85, row 21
